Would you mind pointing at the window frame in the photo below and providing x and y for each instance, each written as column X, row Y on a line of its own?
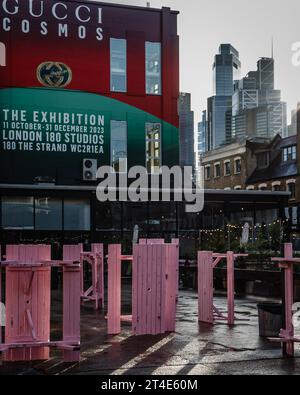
column 150, row 157
column 226, row 163
column 112, row 40
column 147, row 74
column 236, row 171
column 207, row 168
column 217, row 166
column 111, row 145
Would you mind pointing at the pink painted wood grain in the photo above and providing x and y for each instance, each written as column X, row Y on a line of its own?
column 205, row 287
column 114, row 290
column 71, row 310
column 27, row 302
column 289, row 297
column 230, row 287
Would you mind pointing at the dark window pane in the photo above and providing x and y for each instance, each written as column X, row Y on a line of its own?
column 17, row 213
column 77, row 214
column 48, row 214
column 108, row 216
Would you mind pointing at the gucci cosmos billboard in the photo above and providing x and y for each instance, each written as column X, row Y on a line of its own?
column 85, row 80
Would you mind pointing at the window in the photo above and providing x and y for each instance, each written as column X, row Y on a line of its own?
column 118, row 65
column 17, row 213
column 207, row 172
column 263, row 187
column 153, row 68
column 227, row 169
column 77, row 214
column 237, row 166
column 291, row 187
column 276, row 186
column 290, row 153
column 2, row 55
column 217, row 170
column 118, row 145
column 48, row 213
column 263, row 160
column 153, row 147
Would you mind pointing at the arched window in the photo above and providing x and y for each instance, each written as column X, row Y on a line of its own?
column 276, row 186
column 263, row 187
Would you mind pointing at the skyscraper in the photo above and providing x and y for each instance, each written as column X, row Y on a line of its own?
column 266, row 74
column 257, row 109
column 226, row 70
column 186, row 130
column 292, row 128
column 202, row 132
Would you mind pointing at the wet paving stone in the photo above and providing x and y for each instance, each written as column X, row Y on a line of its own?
column 194, row 349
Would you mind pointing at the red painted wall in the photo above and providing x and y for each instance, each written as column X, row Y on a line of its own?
column 89, row 58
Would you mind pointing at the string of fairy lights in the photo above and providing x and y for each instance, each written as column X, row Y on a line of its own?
column 194, row 234
column 241, row 227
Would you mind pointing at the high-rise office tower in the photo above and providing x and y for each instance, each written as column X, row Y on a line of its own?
column 266, row 74
column 292, row 128
column 201, row 143
column 257, row 109
column 186, row 130
column 202, row 132
column 226, row 70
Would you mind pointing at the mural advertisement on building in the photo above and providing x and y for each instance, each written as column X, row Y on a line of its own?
column 57, row 99
column 52, row 131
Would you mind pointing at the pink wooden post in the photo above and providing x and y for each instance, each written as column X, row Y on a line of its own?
column 98, row 277
column 289, row 298
column 95, row 259
column 71, row 311
column 205, row 287
column 172, row 280
column 286, row 335
column 27, row 302
column 230, row 287
column 114, row 289
column 73, row 253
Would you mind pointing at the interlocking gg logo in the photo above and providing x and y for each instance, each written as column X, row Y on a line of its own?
column 54, row 74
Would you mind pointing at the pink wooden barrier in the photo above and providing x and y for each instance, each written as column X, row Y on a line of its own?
column 27, row 301
column 72, row 252
column 286, row 336
column 71, row 313
column 95, row 259
column 154, row 288
column 114, row 290
column 207, row 261
column 27, row 331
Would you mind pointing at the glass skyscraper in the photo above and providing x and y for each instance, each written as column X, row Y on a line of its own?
column 257, row 109
column 226, row 70
column 186, row 130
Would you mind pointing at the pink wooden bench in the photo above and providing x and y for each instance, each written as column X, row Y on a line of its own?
column 207, row 311
column 28, row 287
column 95, row 259
column 286, row 336
column 154, row 288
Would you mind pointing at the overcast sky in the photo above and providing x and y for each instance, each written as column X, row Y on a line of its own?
column 247, row 24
